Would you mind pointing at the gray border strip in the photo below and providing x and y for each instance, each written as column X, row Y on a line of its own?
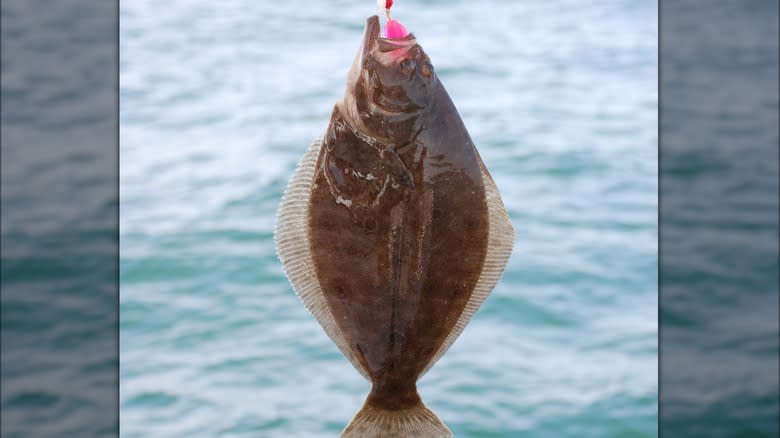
column 59, row 271
column 718, row 218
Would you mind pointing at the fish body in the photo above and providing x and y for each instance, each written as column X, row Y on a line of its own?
column 392, row 231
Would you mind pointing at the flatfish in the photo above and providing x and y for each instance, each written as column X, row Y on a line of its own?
column 392, row 231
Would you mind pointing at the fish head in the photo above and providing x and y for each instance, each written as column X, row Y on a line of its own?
column 390, row 85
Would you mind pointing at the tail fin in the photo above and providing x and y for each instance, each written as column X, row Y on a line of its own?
column 417, row 421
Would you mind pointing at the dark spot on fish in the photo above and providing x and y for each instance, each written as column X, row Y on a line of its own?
column 404, row 179
column 369, row 223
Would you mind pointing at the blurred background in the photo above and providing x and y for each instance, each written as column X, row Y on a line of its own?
column 218, row 101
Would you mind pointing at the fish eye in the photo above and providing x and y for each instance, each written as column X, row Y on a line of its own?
column 408, row 65
column 427, row 69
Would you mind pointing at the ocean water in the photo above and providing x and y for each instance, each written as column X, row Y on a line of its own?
column 218, row 102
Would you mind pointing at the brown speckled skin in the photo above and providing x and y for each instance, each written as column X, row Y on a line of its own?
column 398, row 218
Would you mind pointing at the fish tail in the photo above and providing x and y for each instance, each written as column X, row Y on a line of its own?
column 416, row 421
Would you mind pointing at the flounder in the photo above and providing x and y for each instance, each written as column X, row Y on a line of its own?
column 392, row 231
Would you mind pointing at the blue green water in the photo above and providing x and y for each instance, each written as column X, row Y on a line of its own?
column 218, row 102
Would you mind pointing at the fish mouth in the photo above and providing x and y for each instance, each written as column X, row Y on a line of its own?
column 372, row 38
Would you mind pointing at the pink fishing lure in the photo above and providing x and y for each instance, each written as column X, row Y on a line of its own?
column 395, row 30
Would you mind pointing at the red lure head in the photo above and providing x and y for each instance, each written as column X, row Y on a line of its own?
column 393, row 29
